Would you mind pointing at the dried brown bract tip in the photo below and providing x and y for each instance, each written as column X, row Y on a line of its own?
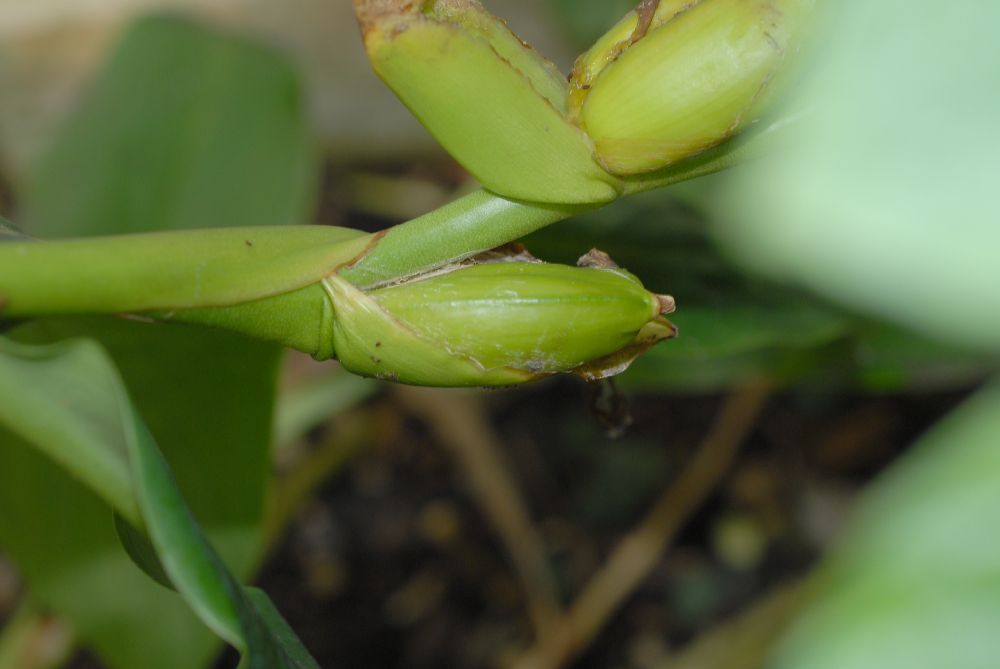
column 667, row 304
column 453, row 5
column 597, row 259
column 371, row 12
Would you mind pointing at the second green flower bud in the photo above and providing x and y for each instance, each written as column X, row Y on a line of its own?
column 677, row 77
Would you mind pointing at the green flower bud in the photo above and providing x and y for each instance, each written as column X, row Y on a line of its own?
column 497, row 324
column 675, row 77
column 494, row 103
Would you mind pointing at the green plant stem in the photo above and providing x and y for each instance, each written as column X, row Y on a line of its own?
column 469, row 225
column 168, row 270
column 483, row 220
column 264, row 281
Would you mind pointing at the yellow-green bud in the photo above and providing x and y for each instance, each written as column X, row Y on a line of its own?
column 677, row 77
column 497, row 324
column 494, row 103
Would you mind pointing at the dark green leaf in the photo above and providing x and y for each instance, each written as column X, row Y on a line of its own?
column 295, row 655
column 142, row 552
column 184, row 128
column 187, row 560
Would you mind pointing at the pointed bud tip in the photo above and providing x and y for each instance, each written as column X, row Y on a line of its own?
column 597, row 259
column 668, row 304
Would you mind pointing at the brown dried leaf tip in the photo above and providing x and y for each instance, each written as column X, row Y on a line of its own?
column 371, row 12
column 667, row 304
column 597, row 259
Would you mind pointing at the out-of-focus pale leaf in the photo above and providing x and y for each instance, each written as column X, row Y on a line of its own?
column 185, row 128
column 50, row 48
column 885, row 197
column 306, row 405
column 196, row 117
column 916, row 583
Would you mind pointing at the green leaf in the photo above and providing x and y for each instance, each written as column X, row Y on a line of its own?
column 916, row 584
column 185, row 128
column 188, row 560
column 209, row 396
column 142, row 552
column 885, row 196
column 281, row 633
column 76, row 423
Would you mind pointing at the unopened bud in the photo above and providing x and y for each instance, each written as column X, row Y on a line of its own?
column 497, row 324
column 677, row 77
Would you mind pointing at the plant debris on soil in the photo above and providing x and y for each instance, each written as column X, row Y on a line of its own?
column 393, row 565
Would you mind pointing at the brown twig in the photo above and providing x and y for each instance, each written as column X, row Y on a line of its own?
column 459, row 422
column 643, row 548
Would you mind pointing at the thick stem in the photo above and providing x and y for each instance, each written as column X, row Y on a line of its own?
column 471, row 224
column 169, row 270
column 264, row 281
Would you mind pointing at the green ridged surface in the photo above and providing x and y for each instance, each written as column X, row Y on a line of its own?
column 493, row 103
column 690, row 83
column 537, row 317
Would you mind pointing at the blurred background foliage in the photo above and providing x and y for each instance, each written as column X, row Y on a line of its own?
column 854, row 276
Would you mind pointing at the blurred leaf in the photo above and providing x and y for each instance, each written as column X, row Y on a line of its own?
column 187, row 559
column 210, row 398
column 293, row 654
column 306, row 405
column 8, row 232
column 185, row 128
column 194, row 129
column 885, row 199
column 889, row 359
column 620, row 482
column 916, row 584
column 142, row 552
column 585, row 20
